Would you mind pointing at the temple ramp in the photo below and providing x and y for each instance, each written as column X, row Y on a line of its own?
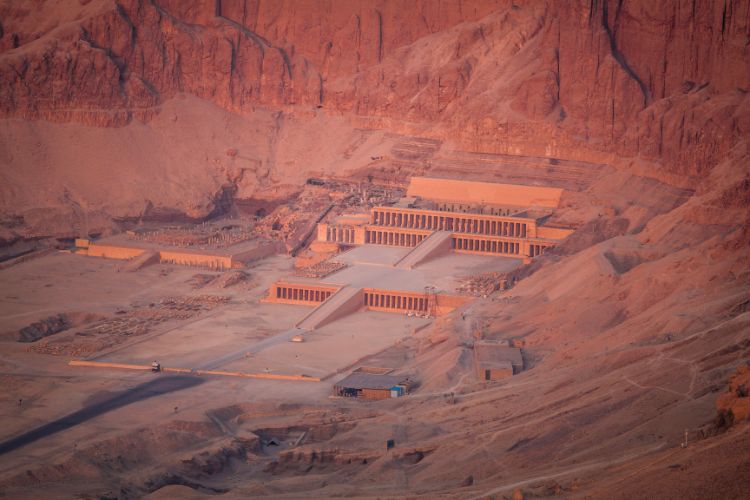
column 438, row 243
column 342, row 303
column 145, row 259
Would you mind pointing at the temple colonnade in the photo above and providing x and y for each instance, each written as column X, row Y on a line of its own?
column 400, row 301
column 489, row 225
column 302, row 293
column 383, row 236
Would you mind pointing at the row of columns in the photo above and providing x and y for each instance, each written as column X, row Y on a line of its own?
column 461, row 224
column 393, row 238
column 211, row 264
column 301, row 294
column 452, row 207
column 535, row 249
column 402, row 302
column 486, row 246
column 340, row 234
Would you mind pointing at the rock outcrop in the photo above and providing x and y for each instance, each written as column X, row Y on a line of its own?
column 662, row 85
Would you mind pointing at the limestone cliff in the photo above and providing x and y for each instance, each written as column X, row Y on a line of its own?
column 664, row 83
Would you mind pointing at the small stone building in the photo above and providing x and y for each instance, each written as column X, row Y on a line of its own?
column 495, row 359
column 370, row 386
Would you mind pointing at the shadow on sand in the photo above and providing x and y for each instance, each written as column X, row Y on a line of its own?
column 162, row 385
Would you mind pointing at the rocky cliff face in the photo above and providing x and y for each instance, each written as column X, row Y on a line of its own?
column 103, row 63
column 661, row 83
column 665, row 80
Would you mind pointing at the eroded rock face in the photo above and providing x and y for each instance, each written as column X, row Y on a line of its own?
column 665, row 82
column 643, row 77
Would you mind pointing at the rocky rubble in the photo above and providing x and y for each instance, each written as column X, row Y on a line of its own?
column 44, row 328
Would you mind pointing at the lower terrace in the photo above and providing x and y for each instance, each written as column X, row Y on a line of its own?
column 409, row 256
column 373, row 272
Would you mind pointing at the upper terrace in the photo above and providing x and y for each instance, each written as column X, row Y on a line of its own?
column 485, row 218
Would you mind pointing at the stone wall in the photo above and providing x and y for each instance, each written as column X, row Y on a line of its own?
column 484, row 192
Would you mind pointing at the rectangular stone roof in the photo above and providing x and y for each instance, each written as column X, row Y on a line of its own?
column 361, row 380
column 491, row 353
column 433, row 188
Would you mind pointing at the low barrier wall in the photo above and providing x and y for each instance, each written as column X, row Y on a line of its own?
column 167, row 256
column 114, row 252
column 196, row 259
column 124, row 366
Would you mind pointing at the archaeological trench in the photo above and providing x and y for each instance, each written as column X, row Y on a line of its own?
column 375, row 249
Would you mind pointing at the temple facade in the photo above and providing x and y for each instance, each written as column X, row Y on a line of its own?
column 470, row 232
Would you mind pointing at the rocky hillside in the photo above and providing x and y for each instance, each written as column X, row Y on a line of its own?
column 635, row 329
column 663, row 80
column 658, row 87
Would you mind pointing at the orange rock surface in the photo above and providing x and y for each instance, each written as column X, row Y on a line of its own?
column 662, row 82
column 737, row 397
column 114, row 112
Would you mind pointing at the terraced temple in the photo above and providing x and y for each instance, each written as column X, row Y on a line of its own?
column 468, row 210
column 439, row 219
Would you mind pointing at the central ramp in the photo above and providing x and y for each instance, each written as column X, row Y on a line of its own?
column 342, row 303
column 438, row 243
column 145, row 259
